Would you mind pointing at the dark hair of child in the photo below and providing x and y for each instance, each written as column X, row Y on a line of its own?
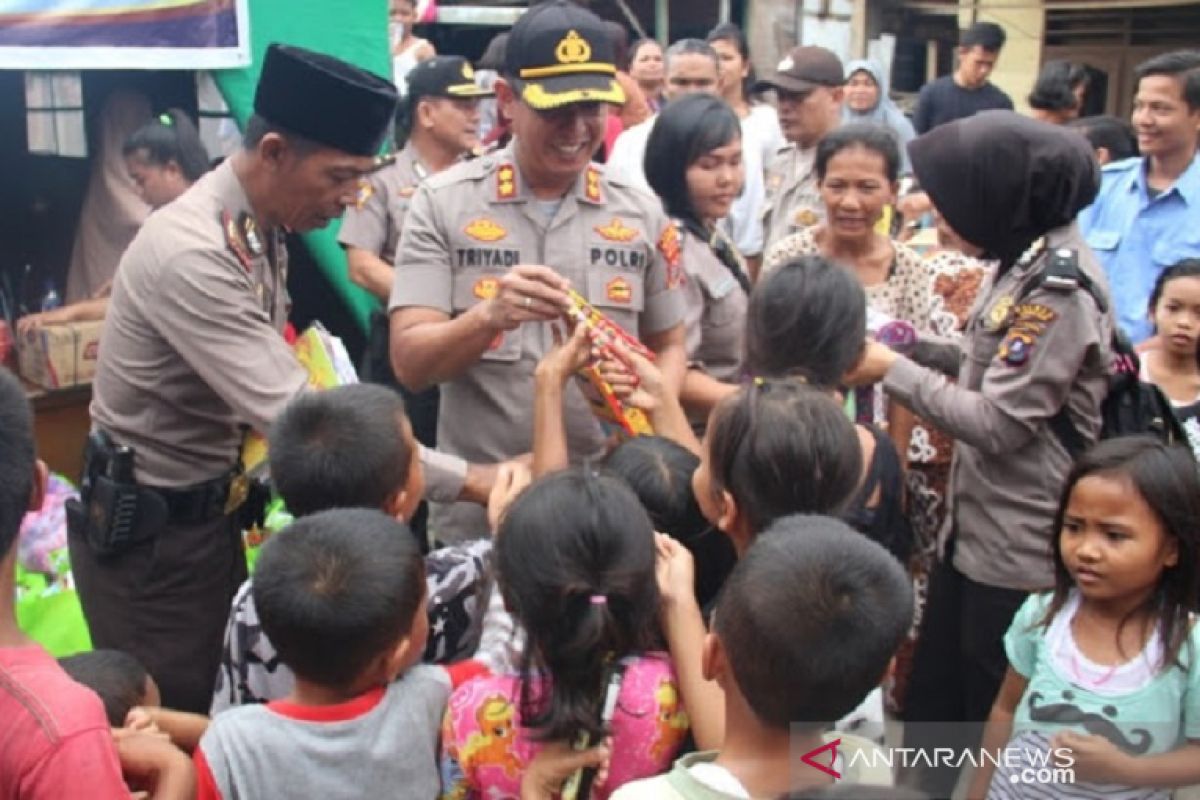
column 575, row 562
column 818, row 342
column 117, row 677
column 660, row 472
column 1188, row 268
column 1112, row 133
column 780, row 448
column 341, row 448
column 870, row 136
column 337, row 589
column 810, row 619
column 1167, row 479
column 17, row 459
column 170, row 137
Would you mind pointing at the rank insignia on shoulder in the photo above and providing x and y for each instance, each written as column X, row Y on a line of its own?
column 591, row 186
column 365, row 192
column 251, row 233
column 506, row 182
column 616, row 231
column 485, row 230
column 235, row 242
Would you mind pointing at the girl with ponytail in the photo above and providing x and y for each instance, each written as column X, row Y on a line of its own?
column 575, row 559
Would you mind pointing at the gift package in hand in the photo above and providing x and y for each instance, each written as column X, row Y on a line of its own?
column 604, row 334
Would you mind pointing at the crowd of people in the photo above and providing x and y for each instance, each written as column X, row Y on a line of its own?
column 869, row 362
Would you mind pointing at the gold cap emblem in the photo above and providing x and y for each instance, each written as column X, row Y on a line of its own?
column 573, row 49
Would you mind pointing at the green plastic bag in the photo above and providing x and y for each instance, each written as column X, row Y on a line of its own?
column 48, row 610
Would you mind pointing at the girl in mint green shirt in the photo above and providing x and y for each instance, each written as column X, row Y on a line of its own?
column 1102, row 694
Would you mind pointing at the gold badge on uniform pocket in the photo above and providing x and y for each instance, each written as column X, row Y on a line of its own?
column 806, row 217
column 617, row 231
column 997, row 317
column 486, row 288
column 485, row 230
column 618, row 290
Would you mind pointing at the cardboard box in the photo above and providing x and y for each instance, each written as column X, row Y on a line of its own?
column 58, row 356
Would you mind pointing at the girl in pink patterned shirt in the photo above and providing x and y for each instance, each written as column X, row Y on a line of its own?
column 575, row 560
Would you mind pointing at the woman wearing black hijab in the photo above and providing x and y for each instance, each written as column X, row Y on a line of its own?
column 1031, row 372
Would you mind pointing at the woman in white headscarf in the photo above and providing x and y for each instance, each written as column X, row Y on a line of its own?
column 867, row 101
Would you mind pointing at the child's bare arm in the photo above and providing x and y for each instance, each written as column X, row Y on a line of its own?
column 1099, row 760
column 183, row 728
column 550, row 377
column 150, row 763
column 683, row 625
column 999, row 729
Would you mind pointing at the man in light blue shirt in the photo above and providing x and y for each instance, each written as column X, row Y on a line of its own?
column 1147, row 215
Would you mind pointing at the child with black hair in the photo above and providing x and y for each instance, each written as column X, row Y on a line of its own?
column 342, row 596
column 1174, row 365
column 811, row 300
column 1107, row 666
column 131, row 697
column 805, row 627
column 350, row 447
column 660, row 472
column 1112, row 138
column 576, row 566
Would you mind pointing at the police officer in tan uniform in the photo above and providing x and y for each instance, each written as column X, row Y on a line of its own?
column 193, row 355
column 1032, row 370
column 808, row 87
column 440, row 118
column 694, row 164
column 490, row 247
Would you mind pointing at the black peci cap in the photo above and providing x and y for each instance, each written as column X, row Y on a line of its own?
column 324, row 99
column 444, row 76
column 558, row 53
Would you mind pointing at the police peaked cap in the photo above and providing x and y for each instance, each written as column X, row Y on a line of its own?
column 324, row 99
column 559, row 54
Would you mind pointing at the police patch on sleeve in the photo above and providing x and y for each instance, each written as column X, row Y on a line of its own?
column 668, row 245
column 1030, row 321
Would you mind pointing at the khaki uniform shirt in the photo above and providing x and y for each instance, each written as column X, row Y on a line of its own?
column 470, row 224
column 192, row 346
column 1018, row 366
column 715, row 312
column 793, row 199
column 376, row 223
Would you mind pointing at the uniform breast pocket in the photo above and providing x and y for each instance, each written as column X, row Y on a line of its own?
column 724, row 300
column 1104, row 241
column 474, row 286
column 619, row 294
column 398, row 208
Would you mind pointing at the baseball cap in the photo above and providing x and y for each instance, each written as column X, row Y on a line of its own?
column 558, row 54
column 444, row 76
column 324, row 99
column 804, row 69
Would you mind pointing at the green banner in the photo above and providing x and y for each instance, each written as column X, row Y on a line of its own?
column 355, row 31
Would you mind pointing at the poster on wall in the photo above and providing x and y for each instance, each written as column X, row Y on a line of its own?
column 124, row 34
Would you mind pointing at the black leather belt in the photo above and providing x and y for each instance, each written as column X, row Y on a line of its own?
column 192, row 505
